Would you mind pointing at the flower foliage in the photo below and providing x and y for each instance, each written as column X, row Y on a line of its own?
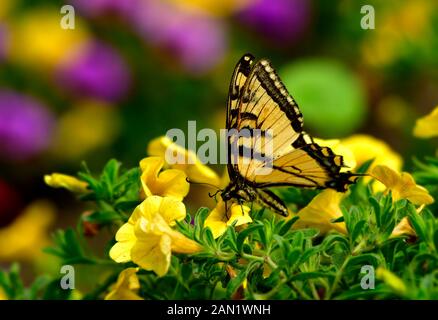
column 161, row 249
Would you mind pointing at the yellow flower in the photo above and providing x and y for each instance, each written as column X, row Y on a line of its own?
column 126, row 287
column 5, row 8
column 24, row 238
column 402, row 186
column 171, row 182
column 321, row 211
column 3, row 295
column 339, row 149
column 218, row 221
column 147, row 238
column 394, row 282
column 408, row 24
column 38, row 37
column 365, row 147
column 75, row 137
column 59, row 180
column 403, row 228
column 427, row 126
column 191, row 165
column 212, row 7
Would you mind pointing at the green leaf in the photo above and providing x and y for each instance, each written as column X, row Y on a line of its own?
column 417, row 223
column 287, row 225
column 246, row 233
column 103, row 217
column 312, row 275
column 294, row 256
column 357, row 230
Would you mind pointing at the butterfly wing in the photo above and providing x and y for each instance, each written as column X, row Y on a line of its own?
column 264, row 105
column 238, row 80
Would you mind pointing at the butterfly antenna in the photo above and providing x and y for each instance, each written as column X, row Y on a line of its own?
column 206, row 184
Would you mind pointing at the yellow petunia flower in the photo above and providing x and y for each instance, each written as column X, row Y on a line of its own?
column 3, row 295
column 218, row 220
column 211, row 7
column 147, row 238
column 171, row 209
column 126, row 287
column 38, row 36
column 394, row 282
column 339, row 149
column 402, row 186
column 28, row 234
column 194, row 169
column 427, row 126
column 365, row 147
column 321, row 211
column 167, row 183
column 75, row 137
column 59, row 180
column 403, row 228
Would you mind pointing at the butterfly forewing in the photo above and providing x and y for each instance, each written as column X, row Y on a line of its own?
column 266, row 143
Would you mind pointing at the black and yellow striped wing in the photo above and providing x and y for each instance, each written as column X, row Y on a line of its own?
column 279, row 153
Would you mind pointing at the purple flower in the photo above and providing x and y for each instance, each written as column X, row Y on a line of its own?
column 198, row 42
column 25, row 126
column 95, row 8
column 282, row 21
column 97, row 71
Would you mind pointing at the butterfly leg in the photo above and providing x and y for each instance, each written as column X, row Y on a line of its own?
column 270, row 200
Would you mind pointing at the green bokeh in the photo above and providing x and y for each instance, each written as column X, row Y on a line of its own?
column 330, row 97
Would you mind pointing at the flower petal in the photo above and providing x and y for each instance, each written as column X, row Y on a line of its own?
column 153, row 253
column 402, row 185
column 218, row 220
column 172, row 210
column 126, row 286
column 58, row 180
column 427, row 126
column 167, row 183
column 239, row 214
column 189, row 162
column 321, row 211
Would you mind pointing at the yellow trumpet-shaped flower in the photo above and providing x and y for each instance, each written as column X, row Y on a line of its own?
column 38, row 36
column 59, row 180
column 74, row 137
column 394, row 282
column 427, row 126
column 402, row 186
column 403, row 228
column 218, row 220
column 3, row 295
column 167, row 183
column 27, row 235
column 321, row 211
column 211, row 7
column 187, row 160
column 365, row 147
column 126, row 287
column 147, row 238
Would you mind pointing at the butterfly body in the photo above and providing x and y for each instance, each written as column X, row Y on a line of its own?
column 267, row 146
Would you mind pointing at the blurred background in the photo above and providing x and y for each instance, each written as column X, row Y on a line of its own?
column 131, row 70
